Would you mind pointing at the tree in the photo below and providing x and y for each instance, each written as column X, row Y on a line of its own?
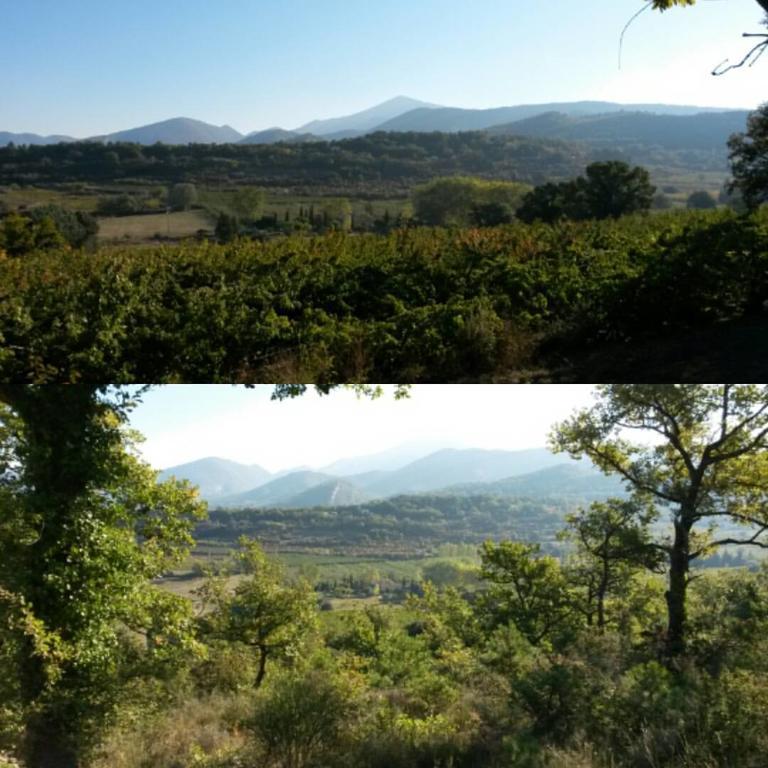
column 118, row 205
column 247, row 204
column 701, row 200
column 551, row 202
column 453, row 201
column 85, row 528
column 490, row 214
column 227, row 228
column 613, row 189
column 709, row 465
column 610, row 189
column 612, row 541
column 749, row 160
column 263, row 612
column 526, row 589
column 77, row 229
column 181, row 197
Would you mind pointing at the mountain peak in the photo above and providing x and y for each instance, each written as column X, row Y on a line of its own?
column 370, row 118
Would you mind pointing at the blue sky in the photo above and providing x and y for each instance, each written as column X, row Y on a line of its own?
column 83, row 67
column 186, row 422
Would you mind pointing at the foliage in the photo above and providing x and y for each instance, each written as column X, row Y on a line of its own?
column 416, row 305
column 749, row 159
column 78, row 229
column 710, row 466
column 460, row 201
column 526, row 589
column 182, row 196
column 89, row 528
column 406, row 523
column 701, row 200
column 387, row 162
column 302, row 719
column 609, row 190
column 612, row 541
column 262, row 612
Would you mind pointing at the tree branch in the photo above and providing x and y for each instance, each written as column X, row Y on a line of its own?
column 753, row 541
column 629, row 476
column 751, row 58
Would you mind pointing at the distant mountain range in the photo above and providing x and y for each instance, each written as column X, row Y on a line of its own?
column 454, row 119
column 669, row 131
column 535, row 472
column 31, row 138
column 402, row 113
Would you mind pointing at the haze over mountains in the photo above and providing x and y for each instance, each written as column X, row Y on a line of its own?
column 534, row 472
column 402, row 113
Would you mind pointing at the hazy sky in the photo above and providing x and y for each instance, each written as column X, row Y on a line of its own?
column 85, row 67
column 184, row 422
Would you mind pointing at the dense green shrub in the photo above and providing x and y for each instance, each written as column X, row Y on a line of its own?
column 417, row 305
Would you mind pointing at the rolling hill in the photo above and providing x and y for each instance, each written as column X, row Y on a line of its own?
column 30, row 138
column 277, row 492
column 572, row 480
column 218, row 477
column 177, row 130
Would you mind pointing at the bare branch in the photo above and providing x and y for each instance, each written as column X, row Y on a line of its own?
column 751, row 58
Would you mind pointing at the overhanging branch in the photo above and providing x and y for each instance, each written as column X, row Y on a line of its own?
column 750, row 59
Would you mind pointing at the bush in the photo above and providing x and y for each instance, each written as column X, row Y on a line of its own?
column 701, row 201
column 301, row 719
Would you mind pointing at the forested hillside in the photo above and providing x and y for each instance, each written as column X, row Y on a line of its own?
column 402, row 525
column 377, row 162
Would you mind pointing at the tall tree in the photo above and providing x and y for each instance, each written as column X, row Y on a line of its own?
column 707, row 465
column 86, row 527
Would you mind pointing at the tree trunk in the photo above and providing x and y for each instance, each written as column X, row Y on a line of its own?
column 48, row 745
column 262, row 665
column 601, row 592
column 678, row 584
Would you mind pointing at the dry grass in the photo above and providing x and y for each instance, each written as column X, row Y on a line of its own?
column 30, row 197
column 142, row 228
column 190, row 733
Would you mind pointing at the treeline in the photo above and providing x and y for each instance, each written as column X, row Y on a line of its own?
column 378, row 163
column 402, row 524
column 417, row 305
